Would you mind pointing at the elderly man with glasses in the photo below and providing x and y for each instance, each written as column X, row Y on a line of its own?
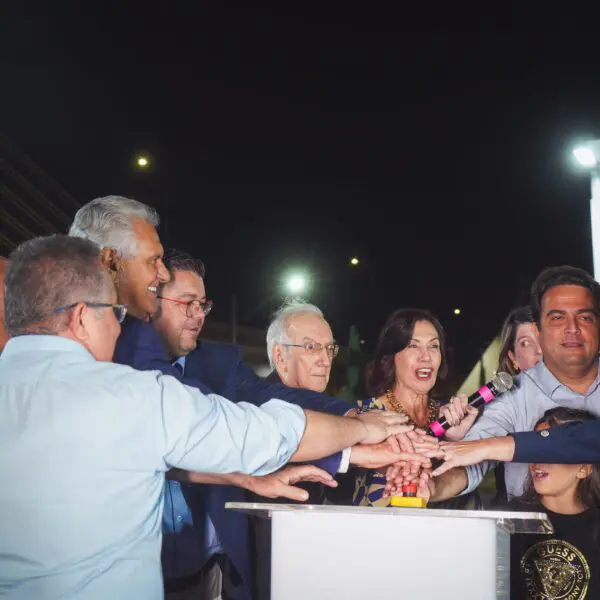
column 301, row 347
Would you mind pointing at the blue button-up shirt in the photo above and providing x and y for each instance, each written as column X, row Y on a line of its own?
column 84, row 446
column 183, row 554
column 536, row 391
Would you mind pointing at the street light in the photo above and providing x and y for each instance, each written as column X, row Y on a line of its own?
column 588, row 156
column 142, row 161
column 296, row 284
column 457, row 311
column 354, row 261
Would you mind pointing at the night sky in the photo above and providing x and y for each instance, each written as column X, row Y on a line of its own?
column 282, row 140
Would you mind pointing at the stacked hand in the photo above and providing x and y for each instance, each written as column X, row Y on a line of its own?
column 402, row 446
column 425, row 445
column 380, row 425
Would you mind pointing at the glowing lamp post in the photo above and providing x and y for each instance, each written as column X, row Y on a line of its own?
column 588, row 156
column 296, row 284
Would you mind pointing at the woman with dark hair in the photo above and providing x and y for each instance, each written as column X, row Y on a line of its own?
column 565, row 564
column 520, row 347
column 410, row 360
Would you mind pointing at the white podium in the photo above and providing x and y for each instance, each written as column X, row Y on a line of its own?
column 364, row 553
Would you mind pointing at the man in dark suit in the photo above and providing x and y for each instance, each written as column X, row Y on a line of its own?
column 218, row 532
column 125, row 231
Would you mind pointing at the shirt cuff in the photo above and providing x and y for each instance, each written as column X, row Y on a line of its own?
column 345, row 461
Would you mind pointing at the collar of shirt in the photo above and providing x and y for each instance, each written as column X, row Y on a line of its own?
column 36, row 342
column 549, row 384
column 181, row 362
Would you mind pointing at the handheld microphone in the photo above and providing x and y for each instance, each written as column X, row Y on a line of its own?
column 501, row 383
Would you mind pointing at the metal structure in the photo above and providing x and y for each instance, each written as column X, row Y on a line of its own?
column 31, row 202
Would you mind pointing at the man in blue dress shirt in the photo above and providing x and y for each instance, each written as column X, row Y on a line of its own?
column 85, row 443
column 565, row 303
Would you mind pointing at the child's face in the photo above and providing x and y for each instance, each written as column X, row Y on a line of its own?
column 556, row 480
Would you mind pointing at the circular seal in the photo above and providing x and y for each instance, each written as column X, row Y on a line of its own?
column 555, row 570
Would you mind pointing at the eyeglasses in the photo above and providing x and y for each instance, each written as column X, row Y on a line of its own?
column 193, row 308
column 316, row 347
column 120, row 310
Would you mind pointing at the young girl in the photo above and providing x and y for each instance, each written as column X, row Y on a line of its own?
column 565, row 564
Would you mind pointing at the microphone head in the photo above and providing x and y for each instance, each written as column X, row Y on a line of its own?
column 502, row 382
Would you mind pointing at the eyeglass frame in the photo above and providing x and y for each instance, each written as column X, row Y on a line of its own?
column 119, row 310
column 332, row 349
column 205, row 306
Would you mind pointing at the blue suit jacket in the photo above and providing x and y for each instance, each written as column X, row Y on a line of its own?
column 219, row 368
column 573, row 443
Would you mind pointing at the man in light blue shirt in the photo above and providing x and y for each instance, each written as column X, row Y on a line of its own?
column 84, row 443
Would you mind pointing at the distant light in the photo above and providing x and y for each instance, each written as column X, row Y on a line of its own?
column 354, row 261
column 296, row 284
column 362, row 341
column 142, row 161
column 585, row 156
column 457, row 311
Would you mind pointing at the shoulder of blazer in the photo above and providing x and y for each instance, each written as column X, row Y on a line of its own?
column 221, row 350
column 135, row 332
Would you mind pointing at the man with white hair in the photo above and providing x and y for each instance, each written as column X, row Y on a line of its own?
column 85, row 443
column 301, row 347
column 125, row 232
column 134, row 258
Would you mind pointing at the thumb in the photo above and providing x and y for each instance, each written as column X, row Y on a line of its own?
column 443, row 468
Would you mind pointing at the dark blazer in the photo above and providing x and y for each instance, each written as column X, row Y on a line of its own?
column 219, row 368
column 573, row 443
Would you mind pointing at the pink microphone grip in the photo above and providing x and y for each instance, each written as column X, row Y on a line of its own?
column 437, row 429
column 485, row 392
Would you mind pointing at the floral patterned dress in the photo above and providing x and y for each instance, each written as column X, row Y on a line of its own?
column 369, row 484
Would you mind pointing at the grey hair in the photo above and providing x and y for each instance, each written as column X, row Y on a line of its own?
column 277, row 333
column 107, row 222
column 47, row 273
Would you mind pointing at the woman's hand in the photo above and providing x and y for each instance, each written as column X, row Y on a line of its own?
column 463, row 454
column 460, row 416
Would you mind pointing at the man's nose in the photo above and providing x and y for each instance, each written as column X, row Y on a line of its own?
column 163, row 273
column 324, row 357
column 572, row 325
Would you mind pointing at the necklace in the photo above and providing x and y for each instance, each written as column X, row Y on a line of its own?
column 433, row 407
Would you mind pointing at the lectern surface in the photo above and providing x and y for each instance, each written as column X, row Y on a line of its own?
column 513, row 522
column 362, row 552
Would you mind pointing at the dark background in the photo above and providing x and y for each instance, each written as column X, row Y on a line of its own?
column 298, row 137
